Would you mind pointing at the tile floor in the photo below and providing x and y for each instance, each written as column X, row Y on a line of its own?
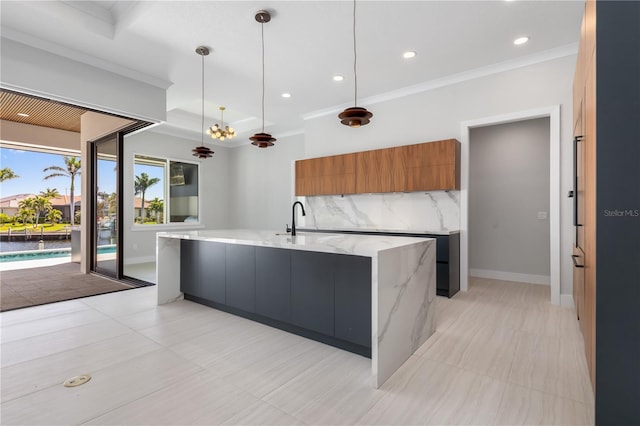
column 502, row 354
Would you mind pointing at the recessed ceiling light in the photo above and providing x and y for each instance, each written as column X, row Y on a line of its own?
column 521, row 40
column 408, row 55
column 22, row 114
column 286, row 95
column 338, row 77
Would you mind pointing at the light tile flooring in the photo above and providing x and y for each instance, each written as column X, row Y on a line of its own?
column 501, row 355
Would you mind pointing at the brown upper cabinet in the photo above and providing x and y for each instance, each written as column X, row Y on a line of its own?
column 427, row 166
column 326, row 175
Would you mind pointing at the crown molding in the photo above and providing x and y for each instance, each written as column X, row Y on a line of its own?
column 56, row 49
column 547, row 55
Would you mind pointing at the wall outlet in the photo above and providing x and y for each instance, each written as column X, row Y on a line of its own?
column 542, row 215
column 135, row 246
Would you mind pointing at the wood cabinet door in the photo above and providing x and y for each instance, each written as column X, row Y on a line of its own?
column 331, row 175
column 378, row 170
column 431, row 166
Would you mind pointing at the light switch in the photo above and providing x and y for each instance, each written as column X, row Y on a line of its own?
column 542, row 215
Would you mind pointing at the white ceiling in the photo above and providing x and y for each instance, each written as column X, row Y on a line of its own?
column 306, row 43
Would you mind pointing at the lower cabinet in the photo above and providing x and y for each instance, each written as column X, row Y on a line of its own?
column 322, row 296
column 273, row 283
column 352, row 299
column 241, row 277
column 213, row 273
column 312, row 290
column 190, row 267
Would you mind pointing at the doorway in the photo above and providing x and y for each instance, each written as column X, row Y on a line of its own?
column 105, row 208
column 553, row 112
column 509, row 201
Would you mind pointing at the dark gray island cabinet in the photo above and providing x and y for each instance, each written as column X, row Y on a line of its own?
column 372, row 295
column 323, row 296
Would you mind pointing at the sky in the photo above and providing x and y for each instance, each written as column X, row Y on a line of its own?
column 30, row 165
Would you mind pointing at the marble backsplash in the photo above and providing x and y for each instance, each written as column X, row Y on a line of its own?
column 436, row 211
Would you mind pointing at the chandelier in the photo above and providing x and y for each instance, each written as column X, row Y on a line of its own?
column 202, row 151
column 221, row 131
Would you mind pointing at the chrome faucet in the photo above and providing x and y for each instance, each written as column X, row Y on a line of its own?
column 293, row 217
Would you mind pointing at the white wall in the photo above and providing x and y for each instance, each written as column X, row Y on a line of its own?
column 139, row 245
column 437, row 114
column 38, row 72
column 261, row 184
column 509, row 178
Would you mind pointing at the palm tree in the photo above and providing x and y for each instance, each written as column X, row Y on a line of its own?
column 50, row 193
column 156, row 205
column 142, row 183
column 53, row 216
column 6, row 173
column 71, row 169
column 24, row 214
column 40, row 204
column 26, row 209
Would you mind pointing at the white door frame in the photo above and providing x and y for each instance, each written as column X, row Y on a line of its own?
column 553, row 112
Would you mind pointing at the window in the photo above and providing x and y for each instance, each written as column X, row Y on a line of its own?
column 165, row 191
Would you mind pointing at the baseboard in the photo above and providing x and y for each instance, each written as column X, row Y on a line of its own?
column 141, row 259
column 566, row 300
column 510, row 276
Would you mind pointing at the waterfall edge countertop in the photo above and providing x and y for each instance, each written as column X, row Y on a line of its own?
column 360, row 245
column 402, row 292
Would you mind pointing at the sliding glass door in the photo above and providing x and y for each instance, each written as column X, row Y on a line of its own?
column 105, row 205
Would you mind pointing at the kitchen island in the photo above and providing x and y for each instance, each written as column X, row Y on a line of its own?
column 373, row 295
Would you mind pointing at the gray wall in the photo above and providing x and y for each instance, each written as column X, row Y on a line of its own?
column 508, row 186
column 261, row 184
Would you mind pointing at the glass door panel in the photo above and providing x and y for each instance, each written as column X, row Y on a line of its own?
column 105, row 207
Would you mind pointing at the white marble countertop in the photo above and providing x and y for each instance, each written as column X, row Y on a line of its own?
column 360, row 245
column 381, row 230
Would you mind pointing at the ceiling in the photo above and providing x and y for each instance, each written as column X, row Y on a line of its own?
column 306, row 43
column 39, row 112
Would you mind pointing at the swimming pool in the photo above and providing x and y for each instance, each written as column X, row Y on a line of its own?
column 15, row 256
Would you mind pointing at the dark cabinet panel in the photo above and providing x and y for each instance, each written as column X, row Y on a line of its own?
column 241, row 277
column 189, row 267
column 353, row 299
column 273, row 283
column 312, row 291
column 211, row 257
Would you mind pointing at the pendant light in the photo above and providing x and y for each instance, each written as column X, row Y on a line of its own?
column 355, row 116
column 202, row 151
column 262, row 139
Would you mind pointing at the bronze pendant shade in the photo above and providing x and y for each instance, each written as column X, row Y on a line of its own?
column 262, row 139
column 355, row 116
column 202, row 151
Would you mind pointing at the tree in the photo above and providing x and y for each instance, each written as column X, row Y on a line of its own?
column 6, row 173
column 142, row 183
column 53, row 216
column 50, row 193
column 157, row 206
column 71, row 170
column 24, row 214
column 40, row 204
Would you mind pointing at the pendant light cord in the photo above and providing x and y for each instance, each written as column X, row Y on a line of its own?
column 355, row 58
column 202, row 124
column 262, row 30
